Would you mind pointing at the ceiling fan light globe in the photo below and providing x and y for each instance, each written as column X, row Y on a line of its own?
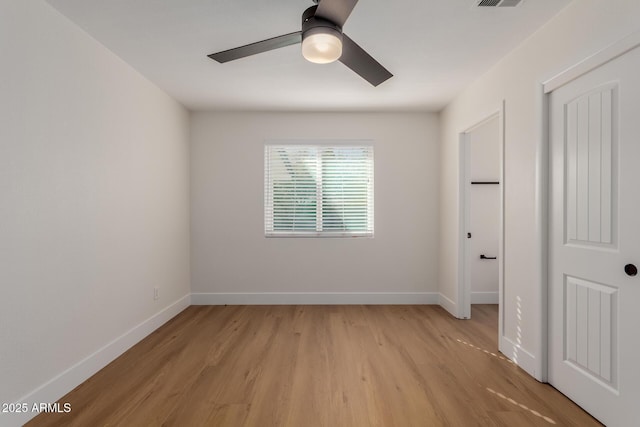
column 321, row 47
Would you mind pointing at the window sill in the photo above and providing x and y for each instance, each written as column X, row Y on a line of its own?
column 319, row 235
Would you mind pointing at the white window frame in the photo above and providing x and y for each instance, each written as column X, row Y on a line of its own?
column 318, row 232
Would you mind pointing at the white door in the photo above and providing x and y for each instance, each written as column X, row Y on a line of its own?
column 483, row 147
column 594, row 241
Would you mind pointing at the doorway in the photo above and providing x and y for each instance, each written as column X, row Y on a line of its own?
column 481, row 216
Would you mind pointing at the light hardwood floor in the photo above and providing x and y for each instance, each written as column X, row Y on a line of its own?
column 308, row 366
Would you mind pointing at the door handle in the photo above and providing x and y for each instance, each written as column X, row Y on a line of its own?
column 631, row 270
column 490, row 257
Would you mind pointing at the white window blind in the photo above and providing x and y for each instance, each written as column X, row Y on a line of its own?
column 318, row 190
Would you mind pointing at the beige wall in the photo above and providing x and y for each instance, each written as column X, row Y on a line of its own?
column 581, row 29
column 230, row 254
column 94, row 200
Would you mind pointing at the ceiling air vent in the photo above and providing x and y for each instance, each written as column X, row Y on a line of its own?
column 498, row 3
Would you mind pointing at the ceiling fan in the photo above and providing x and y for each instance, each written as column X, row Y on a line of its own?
column 322, row 42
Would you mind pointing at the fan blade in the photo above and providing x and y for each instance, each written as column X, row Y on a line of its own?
column 336, row 11
column 354, row 57
column 257, row 47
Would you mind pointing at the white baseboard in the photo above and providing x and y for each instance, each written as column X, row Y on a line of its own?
column 66, row 381
column 448, row 305
column 519, row 355
column 485, row 297
column 315, row 298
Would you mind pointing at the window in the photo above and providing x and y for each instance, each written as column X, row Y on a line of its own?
column 318, row 190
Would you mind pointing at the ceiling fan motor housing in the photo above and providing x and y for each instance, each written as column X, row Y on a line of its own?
column 313, row 25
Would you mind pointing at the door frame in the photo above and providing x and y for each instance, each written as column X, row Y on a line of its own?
column 543, row 171
column 464, row 283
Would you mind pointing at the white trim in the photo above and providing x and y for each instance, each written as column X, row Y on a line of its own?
column 66, row 381
column 315, row 298
column 501, row 252
column 541, row 204
column 463, row 304
column 601, row 57
column 448, row 305
column 519, row 356
column 485, row 297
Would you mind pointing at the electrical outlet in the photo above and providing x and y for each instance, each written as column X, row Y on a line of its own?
column 156, row 293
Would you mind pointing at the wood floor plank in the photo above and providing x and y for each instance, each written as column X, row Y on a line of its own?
column 317, row 366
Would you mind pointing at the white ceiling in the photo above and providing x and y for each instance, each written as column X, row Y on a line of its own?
column 434, row 48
